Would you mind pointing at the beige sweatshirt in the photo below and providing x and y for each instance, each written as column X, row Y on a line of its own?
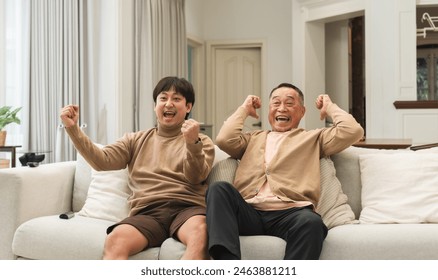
column 293, row 172
column 161, row 165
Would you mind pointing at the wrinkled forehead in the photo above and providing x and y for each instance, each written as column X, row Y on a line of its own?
column 285, row 93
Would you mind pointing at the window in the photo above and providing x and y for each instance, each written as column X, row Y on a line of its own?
column 427, row 54
column 15, row 26
column 427, row 72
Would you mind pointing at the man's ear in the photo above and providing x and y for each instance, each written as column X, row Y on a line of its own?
column 303, row 111
column 189, row 107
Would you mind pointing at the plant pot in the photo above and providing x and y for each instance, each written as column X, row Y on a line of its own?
column 4, row 163
column 2, row 137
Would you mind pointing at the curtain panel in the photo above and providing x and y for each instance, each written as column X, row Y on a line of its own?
column 63, row 62
column 56, row 39
column 160, row 50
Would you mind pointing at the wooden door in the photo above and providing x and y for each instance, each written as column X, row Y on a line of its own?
column 237, row 73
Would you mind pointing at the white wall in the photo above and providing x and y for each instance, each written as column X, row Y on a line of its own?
column 336, row 68
column 255, row 19
column 194, row 10
column 390, row 58
column 294, row 32
column 228, row 20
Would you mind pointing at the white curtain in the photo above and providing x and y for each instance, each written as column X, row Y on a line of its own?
column 56, row 57
column 160, row 50
column 14, row 63
column 59, row 62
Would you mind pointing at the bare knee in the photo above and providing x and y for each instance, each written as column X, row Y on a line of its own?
column 193, row 234
column 114, row 248
column 123, row 241
column 198, row 231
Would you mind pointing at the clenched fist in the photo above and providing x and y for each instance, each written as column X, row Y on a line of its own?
column 70, row 115
column 251, row 104
column 190, row 130
column 322, row 102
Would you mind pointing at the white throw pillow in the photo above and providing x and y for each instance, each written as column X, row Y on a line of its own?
column 399, row 188
column 81, row 183
column 332, row 205
column 107, row 196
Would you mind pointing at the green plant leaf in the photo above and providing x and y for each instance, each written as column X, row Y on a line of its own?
column 8, row 115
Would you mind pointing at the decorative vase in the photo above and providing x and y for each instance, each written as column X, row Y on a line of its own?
column 2, row 137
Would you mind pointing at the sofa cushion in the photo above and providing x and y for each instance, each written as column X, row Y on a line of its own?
column 81, row 183
column 333, row 206
column 348, row 172
column 381, row 242
column 107, row 196
column 78, row 238
column 399, row 188
column 256, row 247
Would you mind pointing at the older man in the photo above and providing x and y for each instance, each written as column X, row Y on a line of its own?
column 276, row 187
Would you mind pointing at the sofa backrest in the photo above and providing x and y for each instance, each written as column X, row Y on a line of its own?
column 346, row 164
column 348, row 172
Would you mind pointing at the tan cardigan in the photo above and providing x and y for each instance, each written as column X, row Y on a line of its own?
column 293, row 173
column 162, row 167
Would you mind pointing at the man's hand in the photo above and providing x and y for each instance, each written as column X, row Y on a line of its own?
column 190, row 130
column 251, row 104
column 322, row 102
column 70, row 115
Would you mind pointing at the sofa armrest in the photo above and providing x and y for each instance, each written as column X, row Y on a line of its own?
column 26, row 193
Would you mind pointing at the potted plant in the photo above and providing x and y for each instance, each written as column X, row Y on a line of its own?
column 7, row 116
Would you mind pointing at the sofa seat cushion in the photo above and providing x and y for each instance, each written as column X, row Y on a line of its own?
column 78, row 238
column 256, row 247
column 381, row 242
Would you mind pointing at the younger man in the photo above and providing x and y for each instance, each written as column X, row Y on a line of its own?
column 168, row 166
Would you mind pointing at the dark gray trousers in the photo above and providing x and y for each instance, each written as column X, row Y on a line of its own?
column 228, row 216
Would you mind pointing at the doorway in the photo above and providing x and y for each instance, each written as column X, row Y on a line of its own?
column 235, row 71
column 357, row 69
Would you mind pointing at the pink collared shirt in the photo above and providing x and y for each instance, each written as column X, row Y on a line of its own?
column 264, row 199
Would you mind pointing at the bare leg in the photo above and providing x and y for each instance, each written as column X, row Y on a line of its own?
column 193, row 233
column 124, row 241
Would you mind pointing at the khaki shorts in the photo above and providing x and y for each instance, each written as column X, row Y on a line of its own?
column 161, row 220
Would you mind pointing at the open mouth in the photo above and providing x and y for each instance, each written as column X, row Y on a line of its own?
column 169, row 114
column 282, row 119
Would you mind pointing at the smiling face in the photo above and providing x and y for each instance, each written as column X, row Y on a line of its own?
column 171, row 108
column 285, row 109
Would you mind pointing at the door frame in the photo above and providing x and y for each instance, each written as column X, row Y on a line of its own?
column 198, row 72
column 211, row 47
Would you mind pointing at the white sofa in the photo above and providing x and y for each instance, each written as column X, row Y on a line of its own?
column 31, row 200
